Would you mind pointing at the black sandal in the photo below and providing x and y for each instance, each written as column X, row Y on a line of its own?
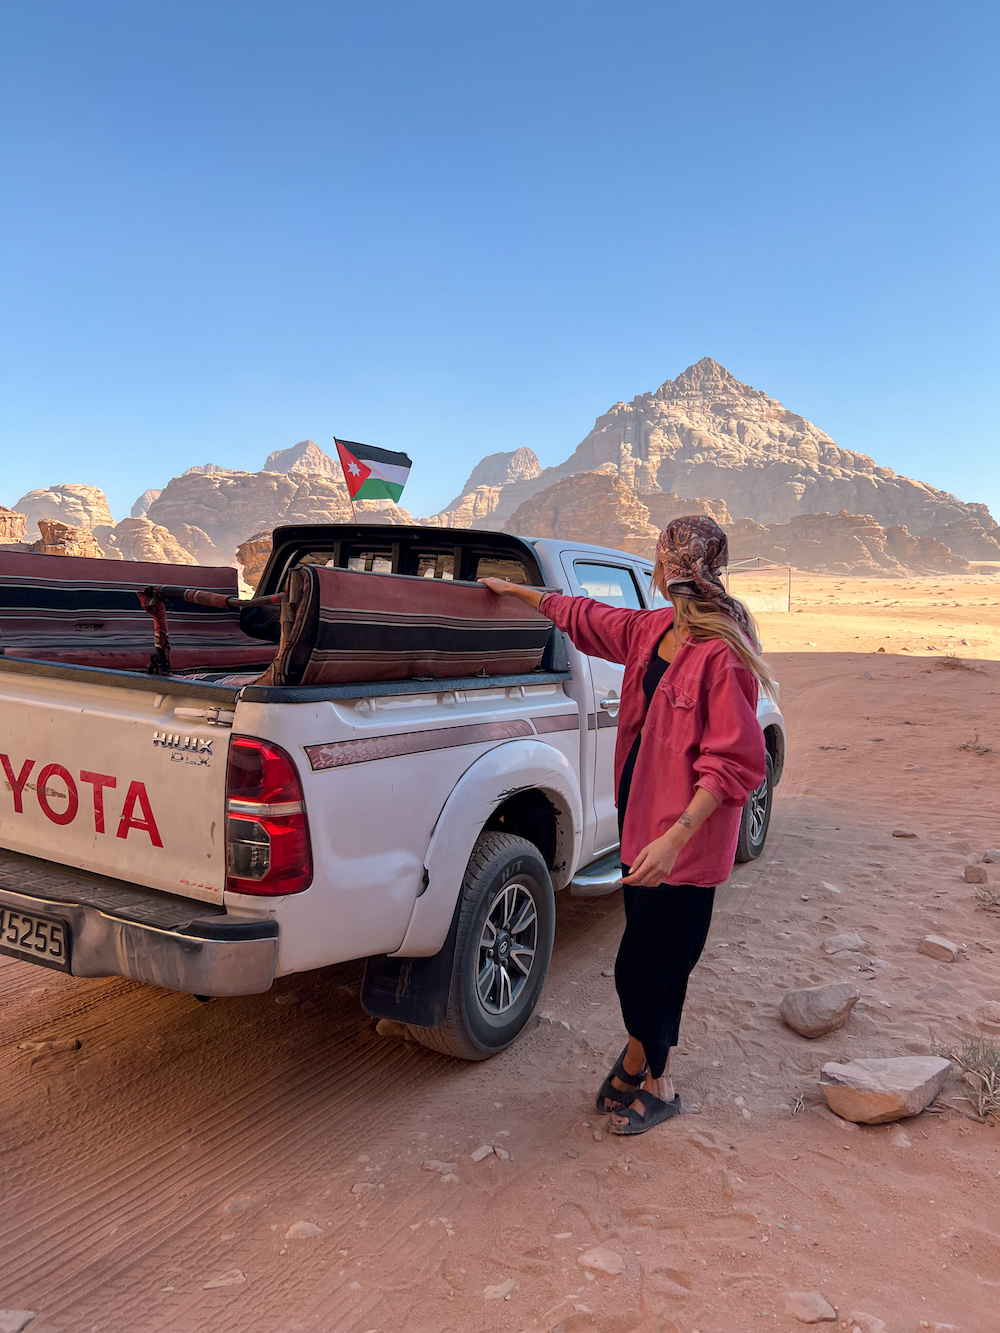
column 657, row 1110
column 621, row 1096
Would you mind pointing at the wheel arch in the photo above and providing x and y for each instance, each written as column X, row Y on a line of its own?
column 519, row 787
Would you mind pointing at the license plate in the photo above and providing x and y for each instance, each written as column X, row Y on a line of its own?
column 39, row 939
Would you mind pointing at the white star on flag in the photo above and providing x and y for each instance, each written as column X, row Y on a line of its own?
column 353, row 469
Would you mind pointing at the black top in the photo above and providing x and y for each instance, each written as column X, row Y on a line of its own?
column 652, row 678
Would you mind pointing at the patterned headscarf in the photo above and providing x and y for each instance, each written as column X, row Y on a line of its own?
column 691, row 551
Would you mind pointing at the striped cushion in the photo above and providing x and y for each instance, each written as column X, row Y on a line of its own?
column 351, row 626
column 72, row 609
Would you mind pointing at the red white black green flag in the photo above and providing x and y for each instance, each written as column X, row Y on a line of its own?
column 370, row 473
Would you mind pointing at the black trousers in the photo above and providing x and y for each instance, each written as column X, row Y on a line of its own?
column 665, row 933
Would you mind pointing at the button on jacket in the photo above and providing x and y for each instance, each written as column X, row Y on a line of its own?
column 701, row 730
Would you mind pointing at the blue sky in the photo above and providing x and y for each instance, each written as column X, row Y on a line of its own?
column 454, row 227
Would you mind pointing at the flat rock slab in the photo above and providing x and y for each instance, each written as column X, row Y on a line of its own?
column 809, row 1306
column 976, row 875
column 936, row 946
column 844, row 943
column 602, row 1260
column 13, row 1321
column 813, row 1011
column 873, row 1092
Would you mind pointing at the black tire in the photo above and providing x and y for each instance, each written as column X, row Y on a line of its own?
column 756, row 818
column 503, row 870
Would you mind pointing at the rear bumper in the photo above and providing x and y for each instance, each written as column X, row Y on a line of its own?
column 121, row 930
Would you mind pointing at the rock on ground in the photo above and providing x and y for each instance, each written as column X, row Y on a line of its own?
column 232, row 1278
column 602, row 1260
column 13, row 1321
column 873, row 1092
column 499, row 1292
column 303, row 1231
column 813, row 1011
column 859, row 1322
column 976, row 874
column 809, row 1306
column 936, row 946
column 845, row 942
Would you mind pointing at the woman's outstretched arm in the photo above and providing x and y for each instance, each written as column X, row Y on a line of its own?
column 596, row 629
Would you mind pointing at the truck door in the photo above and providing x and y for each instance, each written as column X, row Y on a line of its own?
column 604, row 579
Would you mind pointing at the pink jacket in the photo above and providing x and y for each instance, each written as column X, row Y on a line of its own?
column 701, row 730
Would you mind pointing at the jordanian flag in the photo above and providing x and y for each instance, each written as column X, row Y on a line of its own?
column 370, row 473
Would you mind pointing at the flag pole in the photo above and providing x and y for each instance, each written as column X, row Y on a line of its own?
column 343, row 473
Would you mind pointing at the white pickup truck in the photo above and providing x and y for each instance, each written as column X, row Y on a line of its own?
column 208, row 836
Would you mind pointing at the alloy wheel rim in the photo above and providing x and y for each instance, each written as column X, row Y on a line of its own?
column 757, row 812
column 506, row 948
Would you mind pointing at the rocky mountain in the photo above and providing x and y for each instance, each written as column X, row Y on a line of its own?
column 302, row 457
column 708, row 434
column 77, row 506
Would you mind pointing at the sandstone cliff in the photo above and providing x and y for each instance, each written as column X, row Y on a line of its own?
column 74, row 505
column 302, row 457
column 841, row 544
column 593, row 507
column 13, row 526
column 63, row 539
column 707, row 434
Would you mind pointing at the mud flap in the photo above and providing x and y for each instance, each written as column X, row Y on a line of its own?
column 412, row 990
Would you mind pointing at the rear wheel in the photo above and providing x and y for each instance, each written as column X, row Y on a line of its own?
column 505, row 930
column 756, row 817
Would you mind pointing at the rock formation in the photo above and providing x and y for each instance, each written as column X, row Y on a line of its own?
column 841, row 544
column 13, row 526
column 707, row 434
column 253, row 555
column 302, row 457
column 497, row 470
column 74, row 505
column 593, row 507
column 141, row 506
column 63, row 539
column 139, row 539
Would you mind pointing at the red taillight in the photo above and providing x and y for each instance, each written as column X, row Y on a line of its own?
column 267, row 836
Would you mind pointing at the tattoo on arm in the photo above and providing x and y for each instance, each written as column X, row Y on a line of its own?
column 684, row 819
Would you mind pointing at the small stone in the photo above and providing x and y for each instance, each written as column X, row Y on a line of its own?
column 388, row 1027
column 831, row 888
column 992, row 855
column 874, row 1092
column 572, row 1152
column 482, row 1153
column 976, row 875
column 845, row 941
column 809, row 1306
column 912, row 768
column 51, row 1044
column 936, row 946
column 442, row 1167
column 813, row 1011
column 899, row 1138
column 564, row 1024
column 597, row 1136
column 866, row 675
column 865, row 1323
column 288, row 998
column 972, row 859
column 502, row 1153
column 232, row 1278
column 13, row 1321
column 602, row 1260
column 451, row 1178
column 989, row 1015
column 903, row 833
column 498, row 1293
column 852, row 956
column 362, row 1187
column 610, row 971
column 303, row 1231
column 238, row 1205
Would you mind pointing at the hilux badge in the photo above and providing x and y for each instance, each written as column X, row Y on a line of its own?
column 171, row 740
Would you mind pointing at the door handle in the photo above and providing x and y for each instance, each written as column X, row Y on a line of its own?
column 611, row 702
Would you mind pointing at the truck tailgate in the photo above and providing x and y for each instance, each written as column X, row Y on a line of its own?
column 125, row 782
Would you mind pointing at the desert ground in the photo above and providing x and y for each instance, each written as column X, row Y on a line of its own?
column 152, row 1176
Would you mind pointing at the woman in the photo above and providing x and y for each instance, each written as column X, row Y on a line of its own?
column 689, row 753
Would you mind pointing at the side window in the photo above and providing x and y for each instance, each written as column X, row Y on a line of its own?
column 654, row 597
column 500, row 567
column 371, row 561
column 611, row 584
column 435, row 565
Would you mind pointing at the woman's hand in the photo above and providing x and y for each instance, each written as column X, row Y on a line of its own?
column 504, row 589
column 656, row 861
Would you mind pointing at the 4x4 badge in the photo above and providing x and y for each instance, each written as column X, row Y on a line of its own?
column 173, row 741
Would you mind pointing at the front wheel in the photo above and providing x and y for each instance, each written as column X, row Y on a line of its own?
column 505, row 930
column 756, row 817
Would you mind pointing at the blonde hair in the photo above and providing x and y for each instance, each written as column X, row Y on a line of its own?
column 702, row 619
